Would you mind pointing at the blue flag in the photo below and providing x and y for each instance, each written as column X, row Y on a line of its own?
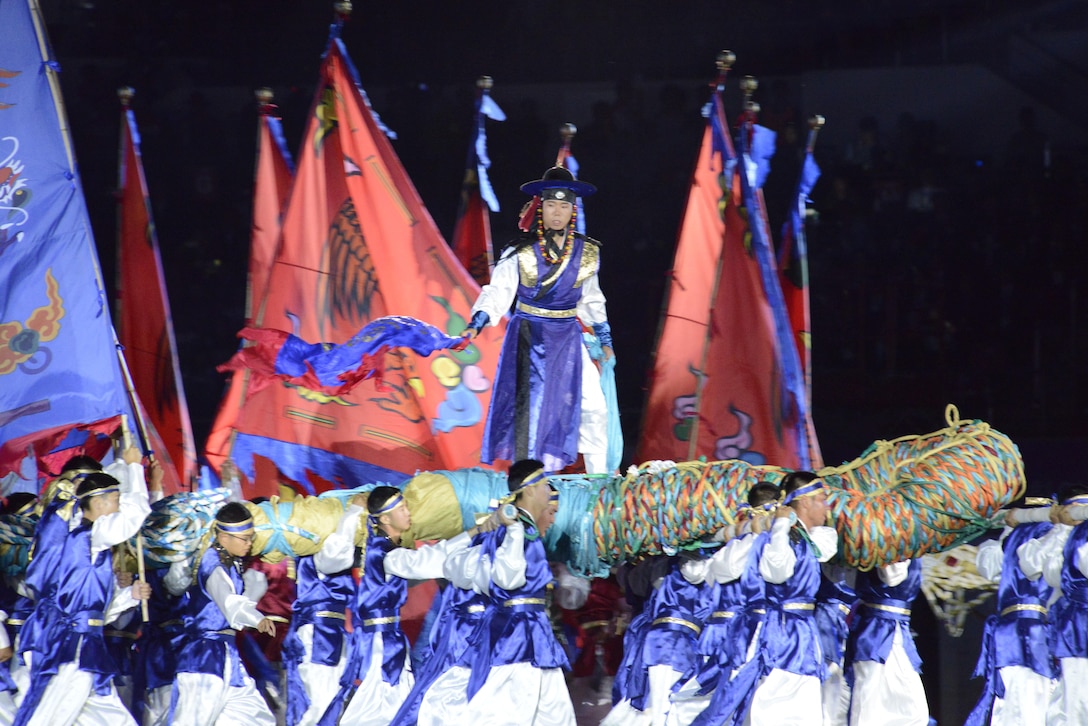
column 757, row 147
column 59, row 364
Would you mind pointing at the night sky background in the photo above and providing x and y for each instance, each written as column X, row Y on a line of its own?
column 938, row 274
column 940, row 271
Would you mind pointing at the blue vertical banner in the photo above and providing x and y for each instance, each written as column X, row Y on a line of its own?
column 59, row 364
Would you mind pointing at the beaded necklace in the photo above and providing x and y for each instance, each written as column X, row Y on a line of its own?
column 567, row 243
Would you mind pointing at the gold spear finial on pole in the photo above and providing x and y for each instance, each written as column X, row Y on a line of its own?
column 485, row 83
column 265, row 98
column 567, row 132
column 748, row 86
column 126, row 94
column 815, row 123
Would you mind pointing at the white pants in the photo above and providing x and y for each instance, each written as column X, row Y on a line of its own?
column 520, row 694
column 593, row 428
column 205, row 699
column 1070, row 707
column 69, row 699
column 375, row 702
column 7, row 708
column 1027, row 698
column 660, row 710
column 157, row 706
column 321, row 682
column 785, row 699
column 444, row 703
column 836, row 695
column 890, row 693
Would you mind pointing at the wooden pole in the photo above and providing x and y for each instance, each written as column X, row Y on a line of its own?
column 126, row 438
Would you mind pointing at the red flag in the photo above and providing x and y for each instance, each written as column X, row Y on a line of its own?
column 472, row 235
column 145, row 328
column 358, row 244
column 275, row 173
column 716, row 386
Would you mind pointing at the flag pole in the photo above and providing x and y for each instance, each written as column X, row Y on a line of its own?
column 815, row 123
column 567, row 132
column 265, row 107
column 126, row 441
column 125, row 94
column 724, row 63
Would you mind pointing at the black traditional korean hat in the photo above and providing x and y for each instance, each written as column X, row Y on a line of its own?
column 558, row 183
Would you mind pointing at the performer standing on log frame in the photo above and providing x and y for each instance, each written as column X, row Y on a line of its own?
column 548, row 403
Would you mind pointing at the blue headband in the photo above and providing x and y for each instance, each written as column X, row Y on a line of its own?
column 96, row 492
column 235, row 527
column 553, row 495
column 534, row 478
column 1079, row 499
column 389, row 506
column 811, row 488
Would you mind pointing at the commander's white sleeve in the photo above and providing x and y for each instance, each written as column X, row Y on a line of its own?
column 778, row 560
column 496, row 296
column 591, row 306
column 239, row 610
column 424, row 563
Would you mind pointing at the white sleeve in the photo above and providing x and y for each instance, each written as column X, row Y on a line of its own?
column 1081, row 559
column 111, row 529
column 695, row 571
column 1033, row 514
column 337, row 552
column 989, row 558
column 729, row 562
column 1078, row 512
column 254, row 584
column 469, row 569
column 571, row 591
column 1052, row 545
column 125, row 474
column 178, row 578
column 424, row 563
column 121, row 602
column 239, row 610
column 893, row 574
column 778, row 560
column 496, row 296
column 591, row 307
column 508, row 569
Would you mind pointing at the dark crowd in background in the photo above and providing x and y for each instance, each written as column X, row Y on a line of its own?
column 935, row 277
